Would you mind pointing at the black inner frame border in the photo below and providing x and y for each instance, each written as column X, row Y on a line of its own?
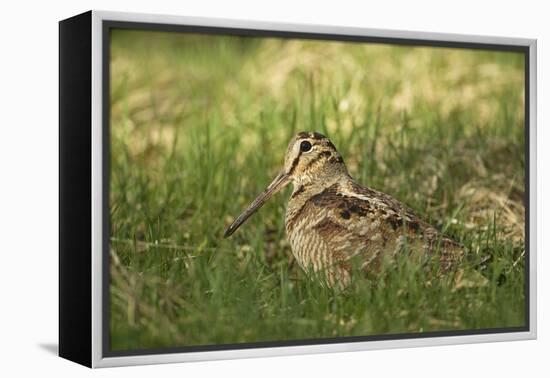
column 108, row 25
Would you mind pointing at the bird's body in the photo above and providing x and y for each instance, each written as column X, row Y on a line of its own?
column 333, row 224
column 329, row 226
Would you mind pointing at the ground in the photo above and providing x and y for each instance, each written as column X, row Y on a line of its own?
column 199, row 126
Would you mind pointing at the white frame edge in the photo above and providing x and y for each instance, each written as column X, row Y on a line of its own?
column 97, row 356
column 97, row 188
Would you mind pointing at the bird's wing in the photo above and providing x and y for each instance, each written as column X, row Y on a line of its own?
column 358, row 221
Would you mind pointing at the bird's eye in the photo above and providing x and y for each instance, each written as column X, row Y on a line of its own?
column 305, row 146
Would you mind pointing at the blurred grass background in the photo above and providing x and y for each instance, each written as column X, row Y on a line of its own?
column 199, row 126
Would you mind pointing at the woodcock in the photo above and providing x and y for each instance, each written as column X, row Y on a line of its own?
column 333, row 223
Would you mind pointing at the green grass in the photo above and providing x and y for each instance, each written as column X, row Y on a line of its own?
column 199, row 126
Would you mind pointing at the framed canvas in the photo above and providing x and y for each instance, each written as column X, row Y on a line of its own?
column 236, row 189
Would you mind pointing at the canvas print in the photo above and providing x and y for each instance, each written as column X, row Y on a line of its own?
column 279, row 190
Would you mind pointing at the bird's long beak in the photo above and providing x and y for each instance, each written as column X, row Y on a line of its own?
column 276, row 185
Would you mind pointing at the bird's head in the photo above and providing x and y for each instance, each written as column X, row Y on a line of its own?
column 311, row 159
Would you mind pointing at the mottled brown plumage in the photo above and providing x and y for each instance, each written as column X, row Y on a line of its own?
column 333, row 223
